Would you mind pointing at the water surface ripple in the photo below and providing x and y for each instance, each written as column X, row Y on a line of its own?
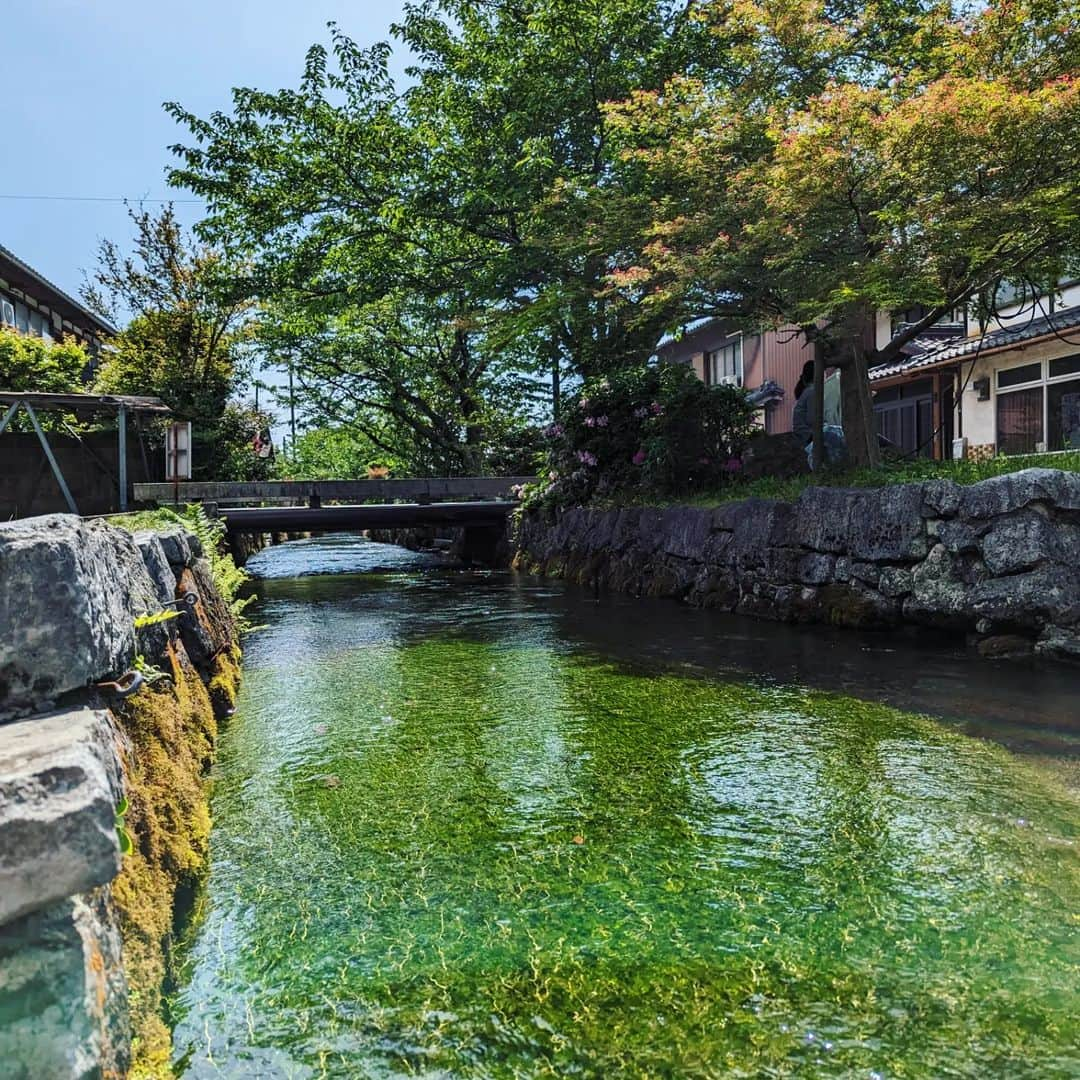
column 471, row 825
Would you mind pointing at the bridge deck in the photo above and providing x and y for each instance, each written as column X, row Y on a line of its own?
column 272, row 519
column 427, row 489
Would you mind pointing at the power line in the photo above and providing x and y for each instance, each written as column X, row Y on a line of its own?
column 98, row 198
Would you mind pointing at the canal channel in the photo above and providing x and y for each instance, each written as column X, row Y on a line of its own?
column 472, row 824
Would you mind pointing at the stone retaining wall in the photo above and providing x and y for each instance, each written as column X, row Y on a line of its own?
column 998, row 561
column 71, row 937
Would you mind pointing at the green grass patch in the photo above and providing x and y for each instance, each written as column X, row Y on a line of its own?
column 896, row 472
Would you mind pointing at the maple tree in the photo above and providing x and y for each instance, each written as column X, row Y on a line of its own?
column 850, row 168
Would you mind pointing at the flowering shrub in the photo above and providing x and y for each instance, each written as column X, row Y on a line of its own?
column 654, row 430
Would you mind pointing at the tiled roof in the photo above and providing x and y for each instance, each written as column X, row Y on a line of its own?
column 686, row 330
column 1057, row 322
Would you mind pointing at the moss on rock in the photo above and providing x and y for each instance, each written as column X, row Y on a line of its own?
column 172, row 728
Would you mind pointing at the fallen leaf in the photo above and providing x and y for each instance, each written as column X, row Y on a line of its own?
column 578, row 840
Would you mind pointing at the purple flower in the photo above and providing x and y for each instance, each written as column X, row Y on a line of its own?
column 601, row 421
column 656, row 408
column 590, row 421
column 733, row 465
column 639, row 458
column 516, row 490
column 586, row 458
column 553, row 431
column 641, row 412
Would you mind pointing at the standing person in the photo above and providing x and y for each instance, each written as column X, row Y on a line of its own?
column 802, row 422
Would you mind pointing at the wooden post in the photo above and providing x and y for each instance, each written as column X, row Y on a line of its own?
column 937, row 445
column 121, row 427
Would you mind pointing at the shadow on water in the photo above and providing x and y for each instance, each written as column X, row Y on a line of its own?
column 1029, row 706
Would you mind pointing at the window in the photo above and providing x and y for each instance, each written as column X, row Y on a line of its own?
column 905, row 417
column 7, row 311
column 1063, row 415
column 1040, row 417
column 22, row 318
column 1017, row 376
column 1020, row 421
column 725, row 364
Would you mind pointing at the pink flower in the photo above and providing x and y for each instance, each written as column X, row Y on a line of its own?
column 553, row 431
column 586, row 458
column 656, row 408
column 590, row 421
column 639, row 458
column 584, row 403
column 733, row 465
column 703, row 461
column 601, row 421
column 553, row 476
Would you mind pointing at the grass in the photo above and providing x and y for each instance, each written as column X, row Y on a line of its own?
column 896, row 472
column 229, row 579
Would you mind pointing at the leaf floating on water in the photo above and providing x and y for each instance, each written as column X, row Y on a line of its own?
column 321, row 729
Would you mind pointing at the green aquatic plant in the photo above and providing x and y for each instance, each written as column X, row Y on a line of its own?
column 535, row 864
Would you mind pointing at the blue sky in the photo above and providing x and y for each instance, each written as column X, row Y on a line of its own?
column 84, row 81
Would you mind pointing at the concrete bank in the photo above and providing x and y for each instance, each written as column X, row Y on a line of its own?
column 997, row 562
column 86, row 768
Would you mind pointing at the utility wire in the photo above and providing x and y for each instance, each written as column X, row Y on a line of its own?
column 97, row 198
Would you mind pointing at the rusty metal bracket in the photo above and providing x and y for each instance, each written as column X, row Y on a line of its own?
column 131, row 682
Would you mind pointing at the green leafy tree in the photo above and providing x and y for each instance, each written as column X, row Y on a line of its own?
column 30, row 364
column 856, row 169
column 185, row 340
column 414, row 238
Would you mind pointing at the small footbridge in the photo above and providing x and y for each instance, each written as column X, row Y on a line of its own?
column 479, row 504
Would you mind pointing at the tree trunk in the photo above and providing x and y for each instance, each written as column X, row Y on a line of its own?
column 860, row 425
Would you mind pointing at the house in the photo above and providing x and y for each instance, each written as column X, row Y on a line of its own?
column 32, row 304
column 720, row 352
column 1010, row 387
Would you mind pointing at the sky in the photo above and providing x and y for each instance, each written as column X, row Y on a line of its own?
column 84, row 85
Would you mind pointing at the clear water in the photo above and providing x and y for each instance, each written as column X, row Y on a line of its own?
column 471, row 825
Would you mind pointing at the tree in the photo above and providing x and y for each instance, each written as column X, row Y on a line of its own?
column 855, row 169
column 184, row 339
column 414, row 238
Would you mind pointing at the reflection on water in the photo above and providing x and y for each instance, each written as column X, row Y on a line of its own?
column 467, row 825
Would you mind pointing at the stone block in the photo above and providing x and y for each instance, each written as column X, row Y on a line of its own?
column 815, row 569
column 1013, row 491
column 71, row 590
column 685, row 530
column 871, row 525
column 157, row 566
column 1025, row 539
column 63, row 996
column 60, row 784
column 176, row 546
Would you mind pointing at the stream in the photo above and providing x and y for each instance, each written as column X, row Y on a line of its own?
column 480, row 825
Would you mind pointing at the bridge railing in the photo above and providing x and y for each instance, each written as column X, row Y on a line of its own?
column 319, row 492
